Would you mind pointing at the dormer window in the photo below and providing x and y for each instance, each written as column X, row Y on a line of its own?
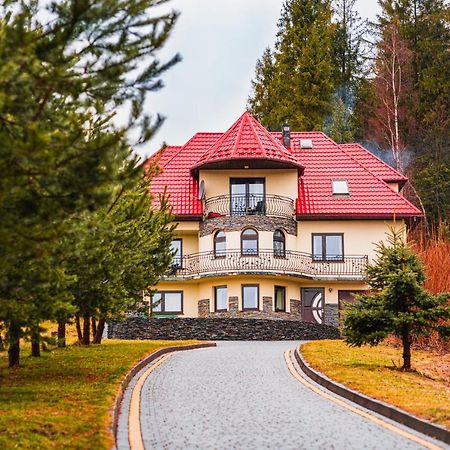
column 340, row 187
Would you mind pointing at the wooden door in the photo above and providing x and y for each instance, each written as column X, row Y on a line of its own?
column 313, row 301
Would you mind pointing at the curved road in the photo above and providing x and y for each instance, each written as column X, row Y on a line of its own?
column 241, row 395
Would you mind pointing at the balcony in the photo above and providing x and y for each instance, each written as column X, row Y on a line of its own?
column 266, row 262
column 249, row 205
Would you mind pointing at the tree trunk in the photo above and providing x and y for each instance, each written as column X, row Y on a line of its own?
column 86, row 330
column 406, row 341
column 13, row 345
column 61, row 333
column 35, row 341
column 94, row 328
column 78, row 327
column 99, row 333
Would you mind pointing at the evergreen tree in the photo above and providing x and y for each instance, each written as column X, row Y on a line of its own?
column 398, row 303
column 67, row 66
column 340, row 126
column 302, row 83
column 117, row 253
column 263, row 99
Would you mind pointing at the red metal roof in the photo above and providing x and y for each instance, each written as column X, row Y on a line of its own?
column 370, row 196
column 246, row 139
column 374, row 164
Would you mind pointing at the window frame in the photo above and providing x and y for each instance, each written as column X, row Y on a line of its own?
column 180, row 255
column 246, row 181
column 215, row 298
column 275, row 298
column 215, row 242
column 163, row 303
column 257, row 242
column 281, row 255
column 257, row 297
column 324, row 247
column 340, row 180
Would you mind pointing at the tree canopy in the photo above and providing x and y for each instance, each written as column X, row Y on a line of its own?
column 67, row 68
column 398, row 303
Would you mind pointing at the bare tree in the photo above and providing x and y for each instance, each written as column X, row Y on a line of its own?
column 393, row 122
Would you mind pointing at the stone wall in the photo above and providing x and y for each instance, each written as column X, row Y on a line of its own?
column 219, row 329
column 266, row 313
column 331, row 314
column 237, row 223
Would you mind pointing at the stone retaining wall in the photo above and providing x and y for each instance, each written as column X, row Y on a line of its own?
column 219, row 329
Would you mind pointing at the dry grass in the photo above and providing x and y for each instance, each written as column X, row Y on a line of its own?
column 424, row 392
column 63, row 399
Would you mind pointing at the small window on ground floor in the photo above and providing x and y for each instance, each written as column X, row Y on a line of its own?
column 250, row 297
column 220, row 298
column 170, row 302
column 280, row 298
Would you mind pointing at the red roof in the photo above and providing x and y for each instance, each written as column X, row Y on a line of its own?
column 370, row 196
column 374, row 164
column 246, row 140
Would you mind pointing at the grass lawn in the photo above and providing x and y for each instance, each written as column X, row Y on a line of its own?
column 424, row 392
column 63, row 399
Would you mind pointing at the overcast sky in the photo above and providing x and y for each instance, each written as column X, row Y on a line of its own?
column 219, row 42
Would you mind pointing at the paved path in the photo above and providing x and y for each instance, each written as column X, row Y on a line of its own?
column 241, row 395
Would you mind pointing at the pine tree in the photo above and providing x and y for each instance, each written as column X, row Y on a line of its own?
column 302, row 83
column 340, row 126
column 67, row 67
column 398, row 303
column 263, row 99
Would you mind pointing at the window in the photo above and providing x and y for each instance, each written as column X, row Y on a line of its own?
column 247, row 196
column 176, row 246
column 220, row 298
column 168, row 302
column 249, row 242
column 340, row 187
column 280, row 298
column 328, row 247
column 279, row 244
column 220, row 244
column 250, row 297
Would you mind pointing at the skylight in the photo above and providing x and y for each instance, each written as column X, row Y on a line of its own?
column 340, row 187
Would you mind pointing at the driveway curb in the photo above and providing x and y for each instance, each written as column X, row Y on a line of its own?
column 377, row 406
column 139, row 366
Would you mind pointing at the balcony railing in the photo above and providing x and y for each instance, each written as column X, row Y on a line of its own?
column 245, row 205
column 292, row 263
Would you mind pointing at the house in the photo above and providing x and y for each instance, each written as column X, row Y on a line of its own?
column 272, row 225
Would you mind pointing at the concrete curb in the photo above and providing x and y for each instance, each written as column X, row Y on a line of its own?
column 139, row 366
column 377, row 406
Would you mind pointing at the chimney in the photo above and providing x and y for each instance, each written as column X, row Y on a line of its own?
column 287, row 135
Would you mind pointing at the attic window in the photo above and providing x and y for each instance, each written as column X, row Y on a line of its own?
column 340, row 187
column 306, row 143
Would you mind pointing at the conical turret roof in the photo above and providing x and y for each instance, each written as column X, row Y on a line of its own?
column 246, row 142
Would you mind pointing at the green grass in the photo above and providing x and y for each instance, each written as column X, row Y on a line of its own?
column 63, row 399
column 424, row 392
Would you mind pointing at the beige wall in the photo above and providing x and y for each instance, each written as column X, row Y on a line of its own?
column 278, row 181
column 360, row 236
column 196, row 290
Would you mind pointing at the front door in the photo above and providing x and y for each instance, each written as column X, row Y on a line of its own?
column 313, row 300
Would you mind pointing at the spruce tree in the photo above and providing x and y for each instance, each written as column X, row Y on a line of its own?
column 303, row 82
column 67, row 67
column 398, row 303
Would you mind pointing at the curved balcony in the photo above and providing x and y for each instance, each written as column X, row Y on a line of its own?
column 267, row 262
column 249, row 205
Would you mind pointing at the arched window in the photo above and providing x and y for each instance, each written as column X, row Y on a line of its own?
column 279, row 244
column 249, row 242
column 220, row 244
